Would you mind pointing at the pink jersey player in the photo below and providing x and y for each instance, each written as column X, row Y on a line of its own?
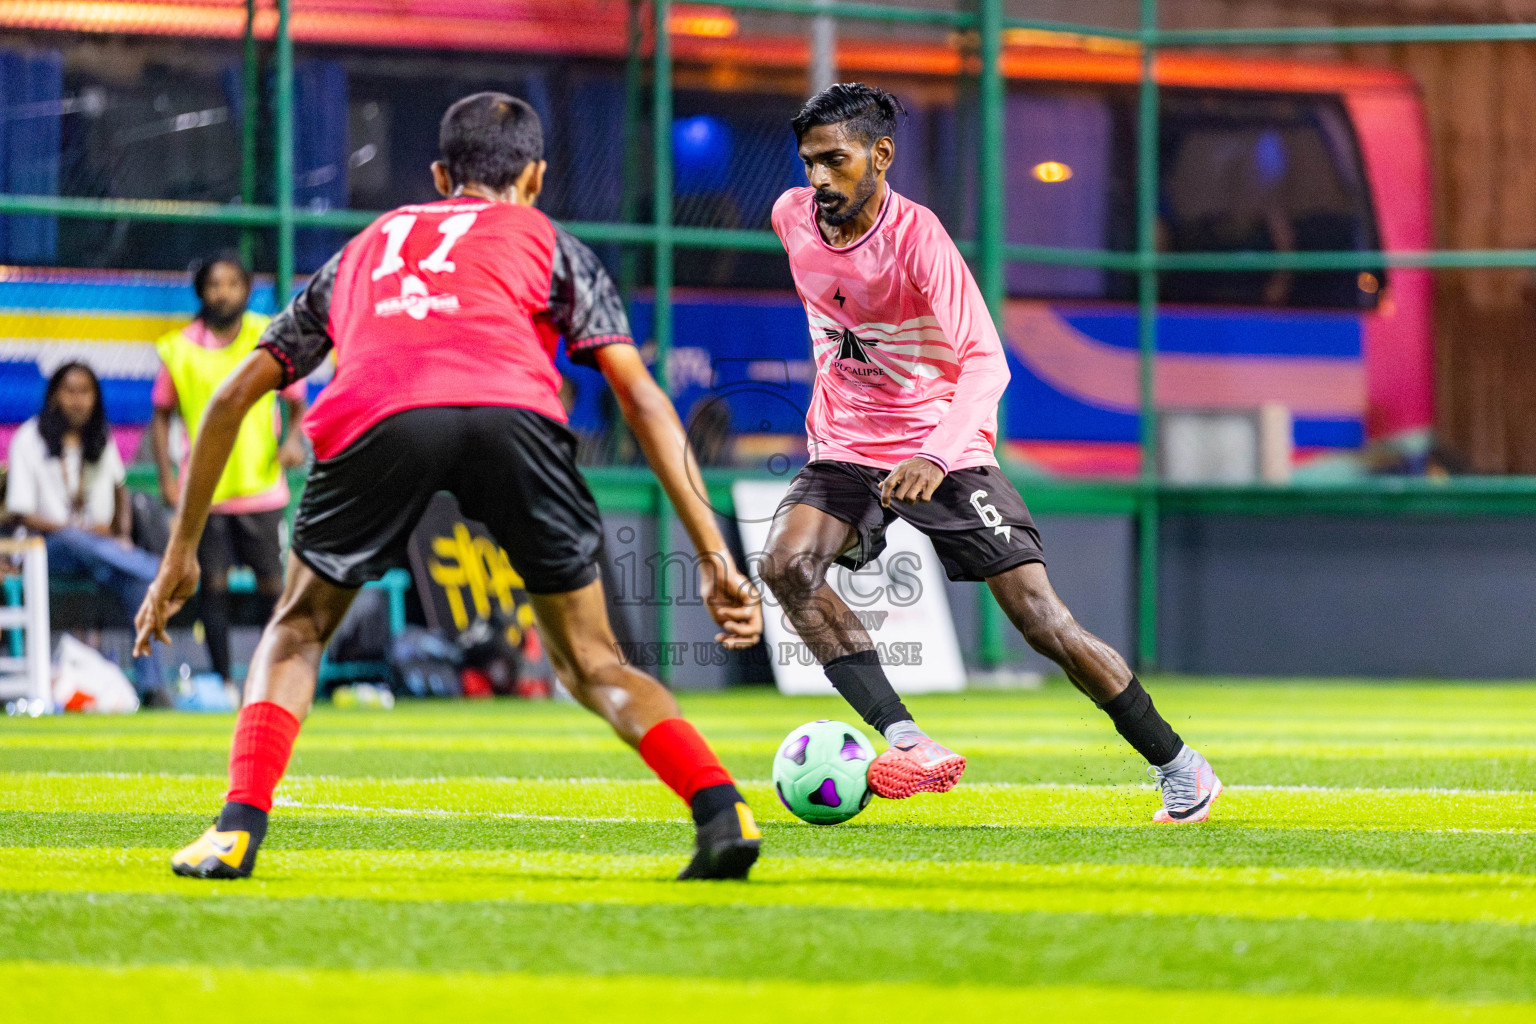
column 908, row 361
column 902, row 424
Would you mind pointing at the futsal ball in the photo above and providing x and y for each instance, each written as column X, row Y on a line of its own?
column 820, row 770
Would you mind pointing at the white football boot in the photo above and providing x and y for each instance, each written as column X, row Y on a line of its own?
column 1189, row 786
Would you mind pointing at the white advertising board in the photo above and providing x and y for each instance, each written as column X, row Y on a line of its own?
column 899, row 598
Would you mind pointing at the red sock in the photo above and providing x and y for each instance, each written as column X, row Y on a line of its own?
column 264, row 736
column 681, row 758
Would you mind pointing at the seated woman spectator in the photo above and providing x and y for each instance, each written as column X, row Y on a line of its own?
column 66, row 483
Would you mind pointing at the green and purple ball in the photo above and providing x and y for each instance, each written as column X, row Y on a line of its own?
column 820, row 772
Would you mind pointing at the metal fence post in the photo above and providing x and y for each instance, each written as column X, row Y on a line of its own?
column 250, row 81
column 1146, row 249
column 823, row 50
column 629, row 189
column 990, row 214
column 661, row 208
column 284, row 114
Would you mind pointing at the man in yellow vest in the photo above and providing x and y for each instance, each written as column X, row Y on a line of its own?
column 252, row 495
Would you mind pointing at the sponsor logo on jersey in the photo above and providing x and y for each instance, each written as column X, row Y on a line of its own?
column 849, row 345
column 871, row 355
column 415, row 301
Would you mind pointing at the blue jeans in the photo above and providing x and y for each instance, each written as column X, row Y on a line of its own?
column 126, row 573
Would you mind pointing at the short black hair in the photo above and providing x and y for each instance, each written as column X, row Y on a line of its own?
column 204, row 267
column 50, row 421
column 489, row 139
column 868, row 112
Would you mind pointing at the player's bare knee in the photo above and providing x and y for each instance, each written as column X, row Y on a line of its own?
column 573, row 682
column 587, row 667
column 793, row 574
column 293, row 636
column 297, row 617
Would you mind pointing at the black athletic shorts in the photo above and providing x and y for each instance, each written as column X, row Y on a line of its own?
column 977, row 521
column 512, row 469
column 251, row 538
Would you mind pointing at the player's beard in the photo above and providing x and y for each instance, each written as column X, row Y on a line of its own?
column 861, row 195
column 217, row 319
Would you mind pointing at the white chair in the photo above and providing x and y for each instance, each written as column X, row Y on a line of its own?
column 25, row 676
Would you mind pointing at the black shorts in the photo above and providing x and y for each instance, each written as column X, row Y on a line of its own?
column 977, row 521
column 512, row 469
column 253, row 539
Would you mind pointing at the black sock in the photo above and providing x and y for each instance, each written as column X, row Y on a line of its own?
column 215, row 615
column 243, row 818
column 711, row 800
column 1143, row 728
column 265, row 606
column 861, row 681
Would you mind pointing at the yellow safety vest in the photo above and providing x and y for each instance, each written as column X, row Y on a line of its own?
column 197, row 373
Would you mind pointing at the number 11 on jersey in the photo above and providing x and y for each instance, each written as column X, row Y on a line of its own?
column 397, row 229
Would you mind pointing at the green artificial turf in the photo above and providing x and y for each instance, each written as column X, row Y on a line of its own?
column 1374, row 858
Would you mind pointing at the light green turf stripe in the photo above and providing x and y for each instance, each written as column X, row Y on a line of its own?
column 63, row 992
column 111, row 793
column 1244, row 707
column 1243, row 721
column 862, row 884
column 86, row 777
column 1090, row 745
column 1025, row 733
column 646, row 800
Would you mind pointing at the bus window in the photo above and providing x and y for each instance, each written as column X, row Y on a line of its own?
column 1059, row 155
column 1265, row 173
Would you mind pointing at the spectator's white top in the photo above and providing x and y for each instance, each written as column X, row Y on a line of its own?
column 39, row 485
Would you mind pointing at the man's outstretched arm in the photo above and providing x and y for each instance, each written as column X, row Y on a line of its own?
column 177, row 580
column 294, row 343
column 586, row 307
column 732, row 599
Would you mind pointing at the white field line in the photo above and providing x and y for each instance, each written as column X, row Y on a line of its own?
column 436, row 812
column 1267, row 788
column 173, row 776
column 602, row 781
column 1413, row 790
column 428, row 812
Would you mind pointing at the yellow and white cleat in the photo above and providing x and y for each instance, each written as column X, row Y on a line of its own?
column 217, row 855
column 727, row 846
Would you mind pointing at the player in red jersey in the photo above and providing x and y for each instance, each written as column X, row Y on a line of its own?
column 903, row 423
column 444, row 319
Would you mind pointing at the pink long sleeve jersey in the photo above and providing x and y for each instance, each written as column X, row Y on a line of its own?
column 908, row 361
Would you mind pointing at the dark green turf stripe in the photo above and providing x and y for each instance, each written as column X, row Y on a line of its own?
column 1463, row 773
column 1214, row 846
column 1461, row 961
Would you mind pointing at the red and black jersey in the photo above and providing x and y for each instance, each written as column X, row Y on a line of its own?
column 453, row 303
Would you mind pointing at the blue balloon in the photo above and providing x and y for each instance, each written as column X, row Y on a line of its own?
column 701, row 153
